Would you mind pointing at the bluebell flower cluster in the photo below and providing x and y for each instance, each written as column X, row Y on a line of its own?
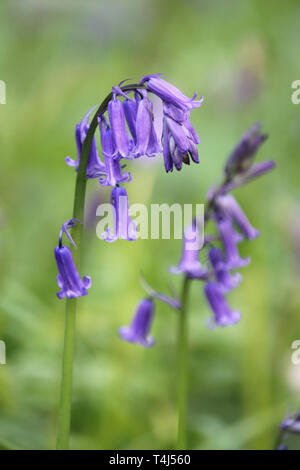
column 232, row 226
column 127, row 131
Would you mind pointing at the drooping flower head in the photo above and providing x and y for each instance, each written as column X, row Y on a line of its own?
column 94, row 165
column 227, row 233
column 124, row 227
column 118, row 126
column 139, row 329
column 68, row 279
column 228, row 205
column 242, row 156
column 179, row 137
column 223, row 315
column 226, row 280
column 169, row 93
column 179, row 144
column 145, row 134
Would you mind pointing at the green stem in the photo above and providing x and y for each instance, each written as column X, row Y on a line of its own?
column 64, row 411
column 64, row 414
column 182, row 367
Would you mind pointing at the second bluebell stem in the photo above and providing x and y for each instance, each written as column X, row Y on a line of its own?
column 182, row 361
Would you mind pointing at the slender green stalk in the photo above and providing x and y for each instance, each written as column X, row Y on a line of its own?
column 182, row 378
column 64, row 411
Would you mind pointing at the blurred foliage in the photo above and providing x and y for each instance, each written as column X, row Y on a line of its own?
column 60, row 58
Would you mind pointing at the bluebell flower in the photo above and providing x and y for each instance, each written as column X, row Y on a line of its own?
column 189, row 262
column 109, row 148
column 130, row 109
column 94, row 165
column 242, row 156
column 68, row 279
column 230, row 207
column 118, row 126
column 124, row 227
column 229, row 239
column 169, row 93
column 113, row 174
column 139, row 329
column 146, row 138
column 226, row 280
column 223, row 315
column 178, row 145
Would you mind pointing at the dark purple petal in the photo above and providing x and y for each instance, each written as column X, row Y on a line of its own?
column 179, row 135
column 166, row 149
column 68, row 279
column 139, row 329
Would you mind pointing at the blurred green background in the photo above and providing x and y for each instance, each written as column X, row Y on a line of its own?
column 60, row 58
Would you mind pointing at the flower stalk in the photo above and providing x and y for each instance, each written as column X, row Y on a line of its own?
column 182, row 378
column 64, row 411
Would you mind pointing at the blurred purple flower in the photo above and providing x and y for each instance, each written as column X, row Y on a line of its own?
column 242, row 156
column 139, row 329
column 223, row 315
column 229, row 206
column 189, row 262
column 226, row 280
column 255, row 171
column 229, row 240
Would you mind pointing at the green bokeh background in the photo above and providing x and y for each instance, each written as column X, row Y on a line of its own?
column 60, row 58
